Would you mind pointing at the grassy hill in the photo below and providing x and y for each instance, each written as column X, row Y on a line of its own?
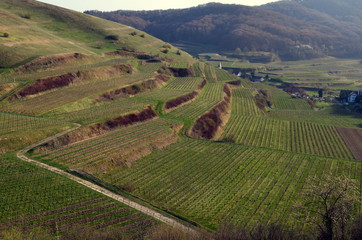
column 190, row 141
column 37, row 29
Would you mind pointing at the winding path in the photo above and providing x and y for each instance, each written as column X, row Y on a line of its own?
column 148, row 211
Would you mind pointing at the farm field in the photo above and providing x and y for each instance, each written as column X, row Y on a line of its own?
column 114, row 108
column 213, row 182
column 353, row 138
column 248, row 126
column 327, row 73
column 17, row 131
column 210, row 96
column 35, row 198
column 114, row 150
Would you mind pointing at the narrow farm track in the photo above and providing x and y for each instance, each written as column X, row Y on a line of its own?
column 148, row 211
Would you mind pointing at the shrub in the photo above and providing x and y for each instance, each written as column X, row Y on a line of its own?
column 99, row 45
column 26, row 15
column 128, row 187
column 142, row 36
column 133, row 33
column 178, row 52
column 165, row 50
column 112, row 37
column 167, row 46
column 6, row 35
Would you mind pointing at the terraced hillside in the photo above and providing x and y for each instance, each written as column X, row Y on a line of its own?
column 134, row 116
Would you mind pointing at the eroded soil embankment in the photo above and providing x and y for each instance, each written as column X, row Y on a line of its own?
column 64, row 80
column 46, row 84
column 173, row 103
column 181, row 72
column 208, row 125
column 101, row 128
column 134, row 89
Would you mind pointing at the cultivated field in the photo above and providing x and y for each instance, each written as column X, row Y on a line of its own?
column 134, row 104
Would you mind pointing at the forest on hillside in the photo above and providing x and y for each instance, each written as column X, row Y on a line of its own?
column 292, row 29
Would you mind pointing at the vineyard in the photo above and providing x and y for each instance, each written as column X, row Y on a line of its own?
column 244, row 103
column 298, row 137
column 212, row 182
column 210, row 96
column 86, row 102
column 282, row 100
column 32, row 197
column 102, row 112
column 18, row 130
column 114, row 150
column 186, row 83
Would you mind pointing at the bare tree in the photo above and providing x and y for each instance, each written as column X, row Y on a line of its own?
column 331, row 202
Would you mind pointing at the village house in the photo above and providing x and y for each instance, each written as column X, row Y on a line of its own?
column 352, row 97
column 349, row 96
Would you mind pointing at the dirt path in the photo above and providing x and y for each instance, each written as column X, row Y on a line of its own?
column 117, row 197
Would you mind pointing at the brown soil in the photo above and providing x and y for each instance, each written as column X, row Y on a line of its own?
column 263, row 100
column 124, row 68
column 46, row 84
column 129, row 119
column 207, row 126
column 173, row 103
column 353, row 139
column 181, row 72
column 134, row 89
column 49, row 61
column 180, row 100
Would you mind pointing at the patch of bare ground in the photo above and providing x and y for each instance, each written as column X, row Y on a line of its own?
column 181, row 72
column 134, row 89
column 353, row 139
column 46, row 84
column 182, row 100
column 209, row 126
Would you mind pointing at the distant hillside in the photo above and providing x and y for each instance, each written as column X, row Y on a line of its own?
column 293, row 29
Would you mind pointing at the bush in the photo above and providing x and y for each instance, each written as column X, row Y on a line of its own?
column 167, row 46
column 128, row 187
column 26, row 15
column 142, row 36
column 178, row 52
column 112, row 37
column 133, row 33
column 165, row 50
column 6, row 35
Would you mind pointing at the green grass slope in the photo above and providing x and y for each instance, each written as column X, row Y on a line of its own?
column 37, row 29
